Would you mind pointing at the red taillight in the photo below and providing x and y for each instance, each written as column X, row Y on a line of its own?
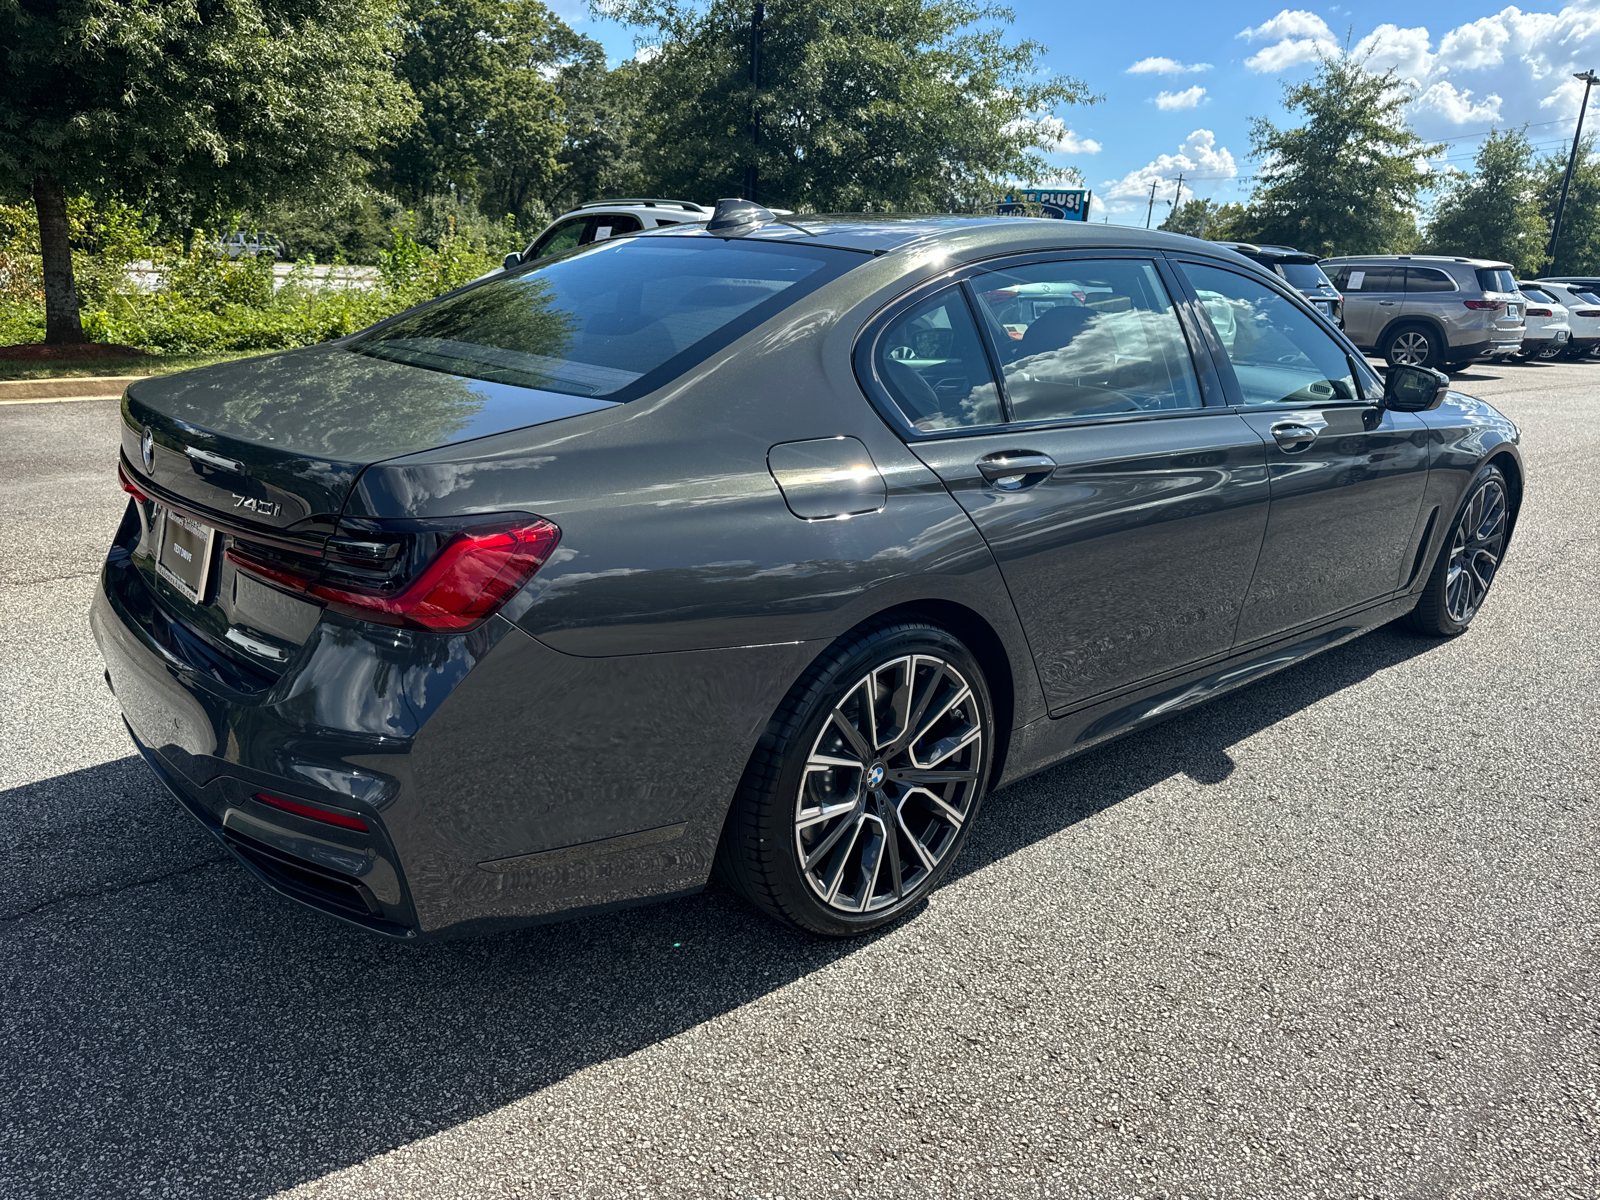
column 1541, row 312
column 1491, row 305
column 316, row 814
column 476, row 572
column 129, row 485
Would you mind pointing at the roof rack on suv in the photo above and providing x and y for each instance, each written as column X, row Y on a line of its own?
column 651, row 203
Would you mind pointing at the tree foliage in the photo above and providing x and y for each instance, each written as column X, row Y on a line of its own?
column 1577, row 250
column 898, row 104
column 1494, row 212
column 1207, row 219
column 185, row 109
column 1347, row 180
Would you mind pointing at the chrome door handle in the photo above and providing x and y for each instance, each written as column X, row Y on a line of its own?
column 1010, row 469
column 1292, row 436
column 1387, row 303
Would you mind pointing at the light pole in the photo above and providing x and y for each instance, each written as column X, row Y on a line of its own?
column 1589, row 80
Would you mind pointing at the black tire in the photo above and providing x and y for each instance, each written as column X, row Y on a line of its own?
column 774, row 822
column 1443, row 610
column 1417, row 345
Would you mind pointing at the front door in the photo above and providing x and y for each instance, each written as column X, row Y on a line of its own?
column 1126, row 518
column 1373, row 297
column 1347, row 476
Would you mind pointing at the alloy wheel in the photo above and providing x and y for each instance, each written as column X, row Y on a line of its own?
column 1410, row 349
column 890, row 781
column 1475, row 551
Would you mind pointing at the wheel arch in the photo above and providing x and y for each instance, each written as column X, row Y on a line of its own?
column 1432, row 324
column 1511, row 467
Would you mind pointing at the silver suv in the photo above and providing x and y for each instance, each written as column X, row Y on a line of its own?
column 1428, row 311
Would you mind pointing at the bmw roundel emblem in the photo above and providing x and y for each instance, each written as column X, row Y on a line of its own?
column 147, row 447
column 875, row 776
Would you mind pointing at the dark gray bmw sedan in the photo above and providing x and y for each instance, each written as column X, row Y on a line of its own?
column 761, row 548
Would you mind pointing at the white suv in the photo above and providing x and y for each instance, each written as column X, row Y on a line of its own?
column 605, row 219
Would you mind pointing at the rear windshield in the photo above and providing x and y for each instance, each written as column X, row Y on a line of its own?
column 617, row 319
column 1303, row 275
column 1494, row 279
column 1588, row 297
column 1533, row 293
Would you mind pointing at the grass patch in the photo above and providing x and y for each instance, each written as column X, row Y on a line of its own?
column 143, row 364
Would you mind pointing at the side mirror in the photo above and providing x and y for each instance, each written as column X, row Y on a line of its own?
column 1414, row 389
column 512, row 261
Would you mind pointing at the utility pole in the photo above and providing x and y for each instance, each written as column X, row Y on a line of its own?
column 1152, row 206
column 750, row 175
column 1589, row 80
column 1177, row 195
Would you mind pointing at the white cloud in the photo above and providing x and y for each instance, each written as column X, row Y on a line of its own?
column 646, row 54
column 1165, row 66
column 1297, row 36
column 1511, row 67
column 1055, row 137
column 1457, row 106
column 1198, row 158
column 1188, row 98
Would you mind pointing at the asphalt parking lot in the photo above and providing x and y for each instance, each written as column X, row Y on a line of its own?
column 1332, row 936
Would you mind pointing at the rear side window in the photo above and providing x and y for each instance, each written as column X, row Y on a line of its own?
column 933, row 364
column 1495, row 279
column 1428, row 279
column 616, row 320
column 1086, row 338
column 614, row 226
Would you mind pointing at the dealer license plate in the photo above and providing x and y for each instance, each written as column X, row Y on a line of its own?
column 186, row 553
column 1561, row 334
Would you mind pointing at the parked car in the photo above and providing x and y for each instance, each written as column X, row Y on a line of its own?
column 1549, row 331
column 241, row 242
column 1429, row 311
column 1301, row 270
column 755, row 547
column 602, row 219
column 1583, row 314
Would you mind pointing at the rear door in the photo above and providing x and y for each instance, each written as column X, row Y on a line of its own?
column 1373, row 296
column 1347, row 477
column 1126, row 516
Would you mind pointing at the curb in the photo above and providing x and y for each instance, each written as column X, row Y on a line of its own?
column 62, row 391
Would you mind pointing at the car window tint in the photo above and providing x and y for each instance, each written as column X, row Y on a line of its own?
column 609, row 226
column 1428, row 279
column 934, row 366
column 1588, row 297
column 1533, row 293
column 1087, row 338
column 563, row 237
column 1280, row 355
column 611, row 320
column 1496, row 279
column 1303, row 275
column 1378, row 278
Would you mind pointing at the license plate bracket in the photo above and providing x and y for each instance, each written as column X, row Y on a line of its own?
column 187, row 550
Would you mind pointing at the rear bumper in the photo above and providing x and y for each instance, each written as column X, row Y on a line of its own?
column 501, row 782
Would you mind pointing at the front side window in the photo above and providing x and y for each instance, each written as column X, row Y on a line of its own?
column 1371, row 279
column 932, row 362
column 1086, row 338
column 564, row 236
column 1280, row 355
column 611, row 320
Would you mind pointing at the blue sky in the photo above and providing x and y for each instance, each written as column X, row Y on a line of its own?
column 1204, row 70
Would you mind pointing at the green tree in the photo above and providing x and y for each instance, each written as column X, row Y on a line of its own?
column 187, row 108
column 899, row 104
column 1577, row 252
column 490, row 123
column 1495, row 211
column 1347, row 180
column 1208, row 219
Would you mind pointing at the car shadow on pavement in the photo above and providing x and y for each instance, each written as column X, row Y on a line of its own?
column 173, row 1029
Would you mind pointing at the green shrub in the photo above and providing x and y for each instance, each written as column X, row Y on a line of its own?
column 204, row 304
